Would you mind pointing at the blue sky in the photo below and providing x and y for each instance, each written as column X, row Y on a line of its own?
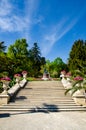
column 53, row 24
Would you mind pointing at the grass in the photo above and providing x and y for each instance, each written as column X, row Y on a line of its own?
column 40, row 79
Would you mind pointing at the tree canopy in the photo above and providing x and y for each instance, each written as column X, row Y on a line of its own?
column 36, row 59
column 18, row 49
column 2, row 47
column 77, row 56
column 19, row 57
column 55, row 67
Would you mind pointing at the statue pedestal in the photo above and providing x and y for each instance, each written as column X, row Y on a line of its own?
column 46, row 76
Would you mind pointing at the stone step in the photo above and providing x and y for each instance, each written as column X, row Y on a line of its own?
column 46, row 96
column 48, row 102
column 46, row 89
column 42, row 97
column 62, row 104
column 43, row 92
column 42, row 110
column 40, row 106
column 56, row 94
column 55, row 103
column 44, row 101
column 54, row 89
column 39, row 94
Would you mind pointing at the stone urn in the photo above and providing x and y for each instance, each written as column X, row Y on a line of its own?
column 5, row 86
column 24, row 73
column 17, row 77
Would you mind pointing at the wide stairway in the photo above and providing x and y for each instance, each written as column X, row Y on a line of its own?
column 42, row 96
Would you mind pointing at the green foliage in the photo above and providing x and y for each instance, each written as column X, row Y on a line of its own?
column 4, row 74
column 19, row 58
column 36, row 60
column 77, row 56
column 55, row 67
column 12, row 82
column 18, row 49
column 1, row 88
column 6, row 64
column 2, row 47
column 78, row 84
column 23, row 59
column 18, row 53
column 30, row 79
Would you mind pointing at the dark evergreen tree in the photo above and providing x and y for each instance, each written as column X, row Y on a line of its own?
column 77, row 56
column 36, row 59
column 2, row 47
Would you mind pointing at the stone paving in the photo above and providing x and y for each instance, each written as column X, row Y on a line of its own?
column 44, row 121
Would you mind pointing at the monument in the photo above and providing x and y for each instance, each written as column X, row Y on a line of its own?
column 46, row 75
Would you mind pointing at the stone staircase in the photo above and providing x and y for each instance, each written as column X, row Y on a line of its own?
column 42, row 96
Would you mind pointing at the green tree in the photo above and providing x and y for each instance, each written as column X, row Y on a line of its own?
column 36, row 59
column 5, row 63
column 18, row 52
column 55, row 67
column 18, row 49
column 2, row 47
column 77, row 56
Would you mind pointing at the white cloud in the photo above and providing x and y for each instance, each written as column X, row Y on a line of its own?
column 5, row 7
column 38, row 19
column 11, row 21
column 13, row 24
column 56, row 33
column 30, row 9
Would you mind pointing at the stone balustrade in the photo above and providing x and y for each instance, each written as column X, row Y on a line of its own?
column 79, row 96
column 4, row 98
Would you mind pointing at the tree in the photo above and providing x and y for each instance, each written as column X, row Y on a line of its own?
column 2, row 47
column 18, row 52
column 6, row 64
column 36, row 59
column 45, row 66
column 55, row 67
column 35, row 53
column 18, row 49
column 58, row 65
column 77, row 56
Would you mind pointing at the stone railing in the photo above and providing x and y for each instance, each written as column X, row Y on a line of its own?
column 5, row 97
column 79, row 96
